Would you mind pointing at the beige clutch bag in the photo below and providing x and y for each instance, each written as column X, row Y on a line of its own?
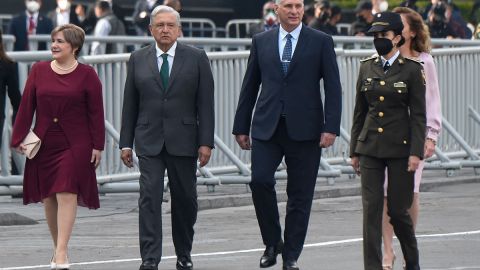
column 32, row 143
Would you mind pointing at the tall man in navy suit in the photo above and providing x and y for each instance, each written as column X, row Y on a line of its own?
column 29, row 22
column 289, row 121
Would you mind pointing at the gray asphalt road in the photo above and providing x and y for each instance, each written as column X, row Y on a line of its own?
column 228, row 238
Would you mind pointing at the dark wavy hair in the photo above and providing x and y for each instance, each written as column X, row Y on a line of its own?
column 421, row 42
column 3, row 54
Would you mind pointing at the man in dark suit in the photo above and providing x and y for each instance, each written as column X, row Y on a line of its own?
column 168, row 110
column 27, row 23
column 289, row 121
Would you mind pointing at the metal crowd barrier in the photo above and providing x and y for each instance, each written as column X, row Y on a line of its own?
column 240, row 28
column 209, row 44
column 457, row 147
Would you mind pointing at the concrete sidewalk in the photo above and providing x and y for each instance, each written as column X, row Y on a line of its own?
column 239, row 195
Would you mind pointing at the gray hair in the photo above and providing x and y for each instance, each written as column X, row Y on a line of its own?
column 164, row 9
column 278, row 2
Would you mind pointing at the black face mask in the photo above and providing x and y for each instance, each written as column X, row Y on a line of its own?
column 383, row 45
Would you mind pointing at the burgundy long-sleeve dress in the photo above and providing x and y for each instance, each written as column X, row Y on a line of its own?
column 70, row 123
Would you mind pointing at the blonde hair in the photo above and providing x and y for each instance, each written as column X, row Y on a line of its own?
column 73, row 35
column 421, row 42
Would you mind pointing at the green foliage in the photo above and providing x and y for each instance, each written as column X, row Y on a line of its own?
column 464, row 5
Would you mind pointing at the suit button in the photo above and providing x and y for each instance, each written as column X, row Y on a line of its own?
column 55, row 119
column 381, row 98
column 380, row 114
column 382, row 82
column 380, row 130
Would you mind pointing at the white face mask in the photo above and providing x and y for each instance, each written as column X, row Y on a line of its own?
column 383, row 6
column 32, row 6
column 63, row 4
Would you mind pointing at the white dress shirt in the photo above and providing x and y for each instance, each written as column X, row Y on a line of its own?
column 171, row 56
column 282, row 39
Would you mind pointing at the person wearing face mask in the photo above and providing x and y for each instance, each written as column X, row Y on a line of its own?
column 64, row 13
column 29, row 22
column 388, row 132
column 269, row 22
column 364, row 18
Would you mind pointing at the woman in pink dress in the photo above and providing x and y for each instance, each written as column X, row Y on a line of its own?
column 417, row 45
column 66, row 98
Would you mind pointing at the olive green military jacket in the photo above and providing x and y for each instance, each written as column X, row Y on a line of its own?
column 389, row 118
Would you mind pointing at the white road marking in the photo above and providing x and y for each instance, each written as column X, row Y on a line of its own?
column 321, row 244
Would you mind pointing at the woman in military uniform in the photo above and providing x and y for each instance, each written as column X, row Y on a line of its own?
column 388, row 132
column 417, row 45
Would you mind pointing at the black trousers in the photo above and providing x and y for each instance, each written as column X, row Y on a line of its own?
column 183, row 190
column 302, row 159
column 399, row 200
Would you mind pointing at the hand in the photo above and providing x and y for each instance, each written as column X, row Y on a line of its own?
column 355, row 161
column 204, row 153
column 127, row 157
column 327, row 139
column 96, row 157
column 429, row 149
column 21, row 149
column 413, row 162
column 243, row 141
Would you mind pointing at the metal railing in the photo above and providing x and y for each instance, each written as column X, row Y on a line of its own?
column 458, row 145
column 240, row 28
column 209, row 44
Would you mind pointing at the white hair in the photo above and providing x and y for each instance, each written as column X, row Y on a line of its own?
column 278, row 2
column 164, row 9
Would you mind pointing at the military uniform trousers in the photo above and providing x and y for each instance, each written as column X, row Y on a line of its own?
column 399, row 200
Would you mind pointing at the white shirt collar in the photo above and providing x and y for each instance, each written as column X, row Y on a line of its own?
column 170, row 52
column 35, row 15
column 295, row 33
column 392, row 59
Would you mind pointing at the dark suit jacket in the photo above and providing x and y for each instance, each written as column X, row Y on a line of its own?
column 52, row 15
column 8, row 85
column 18, row 28
column 299, row 91
column 180, row 117
column 389, row 116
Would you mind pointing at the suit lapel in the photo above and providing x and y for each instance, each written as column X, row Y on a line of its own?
column 178, row 61
column 153, row 64
column 276, row 50
column 395, row 68
column 301, row 45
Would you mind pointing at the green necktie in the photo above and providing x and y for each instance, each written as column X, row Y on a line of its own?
column 164, row 71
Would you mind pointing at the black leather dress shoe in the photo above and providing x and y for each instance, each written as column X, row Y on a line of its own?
column 148, row 265
column 269, row 257
column 290, row 265
column 184, row 264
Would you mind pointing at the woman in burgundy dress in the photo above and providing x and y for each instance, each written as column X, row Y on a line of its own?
column 66, row 98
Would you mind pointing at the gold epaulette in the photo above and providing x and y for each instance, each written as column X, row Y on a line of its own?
column 416, row 60
column 368, row 59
